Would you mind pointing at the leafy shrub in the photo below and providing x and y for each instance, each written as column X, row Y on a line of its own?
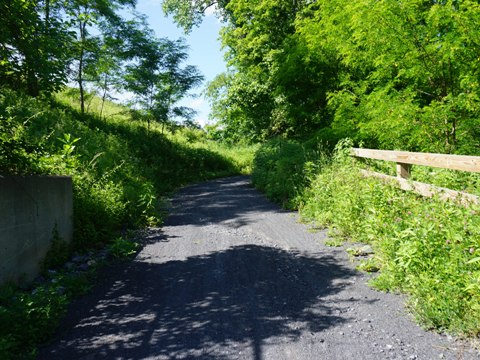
column 282, row 169
column 424, row 247
column 18, row 154
column 99, row 208
column 123, row 248
column 27, row 319
column 119, row 170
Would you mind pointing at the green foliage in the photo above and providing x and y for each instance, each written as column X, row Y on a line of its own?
column 242, row 106
column 369, row 265
column 424, row 247
column 410, row 82
column 283, row 168
column 100, row 209
column 28, row 318
column 189, row 13
column 158, row 80
column 123, row 248
column 34, row 46
column 407, row 82
column 18, row 153
column 334, row 242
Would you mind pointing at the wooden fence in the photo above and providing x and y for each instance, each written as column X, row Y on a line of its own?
column 406, row 159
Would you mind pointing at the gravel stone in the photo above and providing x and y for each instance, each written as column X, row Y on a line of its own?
column 232, row 276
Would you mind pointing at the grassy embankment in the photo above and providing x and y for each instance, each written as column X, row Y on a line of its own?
column 121, row 172
column 426, row 248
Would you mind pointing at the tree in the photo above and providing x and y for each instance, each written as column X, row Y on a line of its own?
column 189, row 13
column 34, row 46
column 91, row 19
column 391, row 74
column 275, row 87
column 242, row 106
column 157, row 80
column 407, row 82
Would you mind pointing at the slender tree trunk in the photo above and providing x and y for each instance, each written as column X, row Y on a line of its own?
column 104, row 95
column 80, row 66
column 32, row 82
column 31, row 60
column 47, row 14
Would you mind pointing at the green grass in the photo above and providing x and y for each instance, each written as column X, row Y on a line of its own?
column 121, row 171
column 283, row 168
column 426, row 248
column 120, row 168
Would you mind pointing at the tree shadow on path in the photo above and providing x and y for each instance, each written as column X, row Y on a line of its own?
column 222, row 305
column 218, row 201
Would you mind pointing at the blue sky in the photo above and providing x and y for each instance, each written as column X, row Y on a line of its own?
column 204, row 46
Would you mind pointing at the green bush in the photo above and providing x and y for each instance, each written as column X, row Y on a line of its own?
column 424, row 247
column 283, row 169
column 120, row 173
column 123, row 248
column 27, row 319
column 427, row 248
column 18, row 151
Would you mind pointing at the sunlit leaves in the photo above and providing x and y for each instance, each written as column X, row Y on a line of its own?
column 157, row 78
column 33, row 46
column 189, row 13
column 409, row 67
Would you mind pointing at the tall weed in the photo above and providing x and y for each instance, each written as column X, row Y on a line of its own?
column 426, row 248
column 120, row 172
column 283, row 169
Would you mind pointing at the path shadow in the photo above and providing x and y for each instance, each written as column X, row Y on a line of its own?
column 219, row 201
column 213, row 306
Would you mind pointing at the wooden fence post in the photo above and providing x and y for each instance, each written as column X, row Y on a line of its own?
column 403, row 170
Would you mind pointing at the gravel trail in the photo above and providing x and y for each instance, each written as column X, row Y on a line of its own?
column 231, row 276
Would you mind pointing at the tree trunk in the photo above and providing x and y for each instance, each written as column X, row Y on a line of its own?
column 104, row 95
column 80, row 67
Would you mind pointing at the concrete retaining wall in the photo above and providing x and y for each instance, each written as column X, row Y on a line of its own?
column 30, row 208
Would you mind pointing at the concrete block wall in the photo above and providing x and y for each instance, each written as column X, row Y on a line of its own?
column 30, row 208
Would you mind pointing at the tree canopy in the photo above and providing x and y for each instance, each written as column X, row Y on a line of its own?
column 101, row 45
column 390, row 74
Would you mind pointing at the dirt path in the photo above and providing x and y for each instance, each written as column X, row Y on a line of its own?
column 231, row 276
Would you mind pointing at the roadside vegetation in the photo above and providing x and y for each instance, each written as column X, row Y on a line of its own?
column 426, row 248
column 123, row 171
column 388, row 75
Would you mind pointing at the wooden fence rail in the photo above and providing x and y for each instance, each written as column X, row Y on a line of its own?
column 406, row 159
